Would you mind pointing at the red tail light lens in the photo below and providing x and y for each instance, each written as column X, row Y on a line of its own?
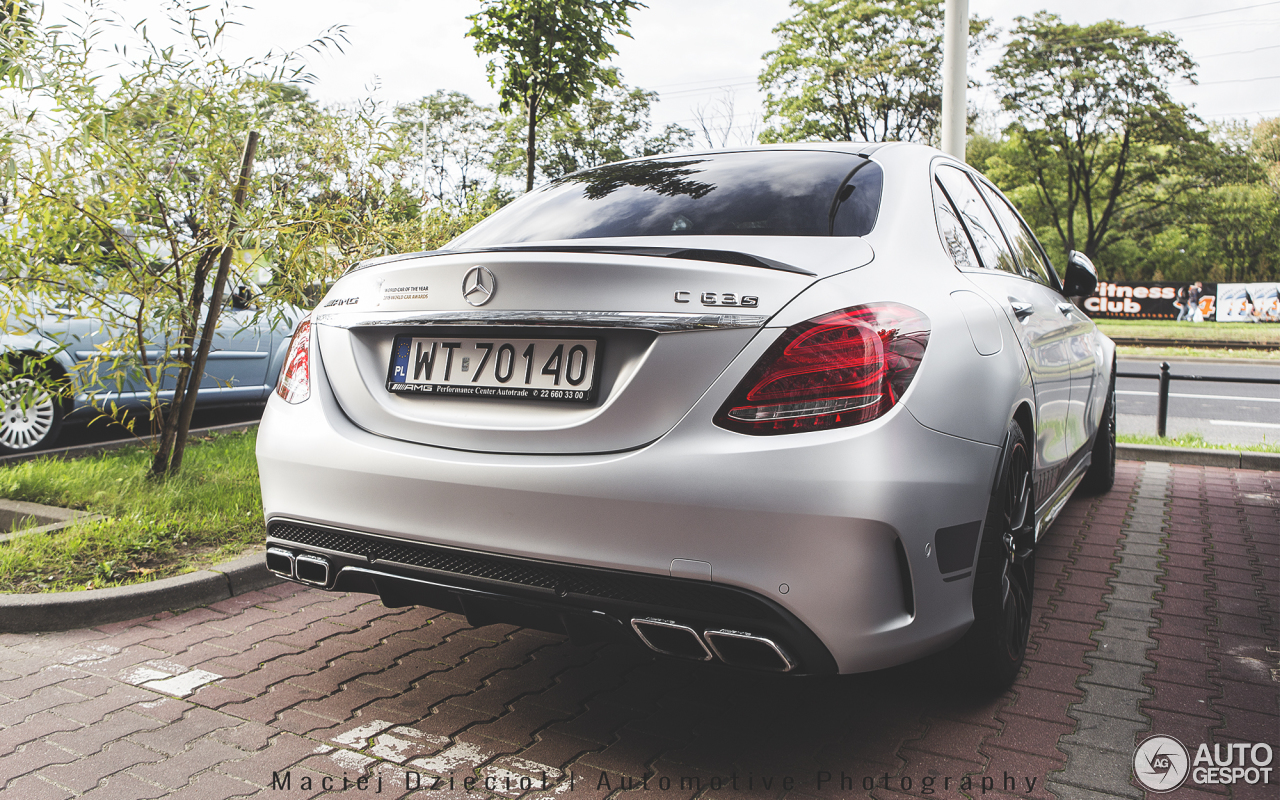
column 295, row 378
column 840, row 369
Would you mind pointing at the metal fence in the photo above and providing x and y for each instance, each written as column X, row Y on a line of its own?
column 1165, row 377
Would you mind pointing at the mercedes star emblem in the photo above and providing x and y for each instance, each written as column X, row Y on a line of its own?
column 478, row 286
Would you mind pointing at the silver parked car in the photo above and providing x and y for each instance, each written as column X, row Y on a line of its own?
column 66, row 363
column 801, row 408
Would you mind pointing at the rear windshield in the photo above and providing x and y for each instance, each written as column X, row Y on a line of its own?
column 757, row 193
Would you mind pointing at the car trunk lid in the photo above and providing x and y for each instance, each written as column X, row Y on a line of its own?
column 663, row 328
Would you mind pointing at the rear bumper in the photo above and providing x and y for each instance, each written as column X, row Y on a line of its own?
column 834, row 531
column 588, row 604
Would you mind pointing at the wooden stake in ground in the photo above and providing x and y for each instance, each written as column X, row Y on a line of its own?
column 188, row 398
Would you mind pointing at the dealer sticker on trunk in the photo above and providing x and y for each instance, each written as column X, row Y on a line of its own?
column 522, row 369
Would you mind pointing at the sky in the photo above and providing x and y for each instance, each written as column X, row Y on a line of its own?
column 700, row 55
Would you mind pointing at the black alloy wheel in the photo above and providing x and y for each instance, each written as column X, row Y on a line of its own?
column 993, row 649
column 1101, row 475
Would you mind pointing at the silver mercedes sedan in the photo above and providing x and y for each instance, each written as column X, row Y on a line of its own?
column 802, row 409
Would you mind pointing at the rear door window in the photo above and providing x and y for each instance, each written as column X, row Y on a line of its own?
column 1024, row 243
column 977, row 219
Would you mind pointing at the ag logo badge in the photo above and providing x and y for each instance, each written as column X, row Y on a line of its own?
column 1160, row 763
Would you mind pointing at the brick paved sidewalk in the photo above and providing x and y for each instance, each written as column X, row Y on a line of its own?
column 1156, row 612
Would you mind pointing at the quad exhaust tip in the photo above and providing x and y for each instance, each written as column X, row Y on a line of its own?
column 303, row 567
column 311, row 569
column 671, row 638
column 280, row 561
column 741, row 649
column 736, row 648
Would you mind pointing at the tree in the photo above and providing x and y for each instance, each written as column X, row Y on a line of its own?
column 849, row 70
column 1265, row 149
column 1097, row 124
column 124, row 192
column 15, row 28
column 611, row 125
column 550, row 55
column 461, row 137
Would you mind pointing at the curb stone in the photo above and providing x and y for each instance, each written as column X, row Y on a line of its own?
column 61, row 611
column 1201, row 457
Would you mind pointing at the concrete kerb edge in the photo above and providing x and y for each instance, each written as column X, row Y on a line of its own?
column 61, row 611
column 1232, row 459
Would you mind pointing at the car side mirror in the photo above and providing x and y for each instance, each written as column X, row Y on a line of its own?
column 242, row 298
column 1082, row 276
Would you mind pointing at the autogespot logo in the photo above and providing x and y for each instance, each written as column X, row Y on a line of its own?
column 1160, row 763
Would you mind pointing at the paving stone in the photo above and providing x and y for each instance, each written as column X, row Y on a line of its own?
column 178, row 770
column 91, row 738
column 1116, row 674
column 1130, row 611
column 177, row 735
column 124, row 786
column 34, row 787
column 37, row 726
column 85, row 773
column 1126, row 650
column 1104, row 732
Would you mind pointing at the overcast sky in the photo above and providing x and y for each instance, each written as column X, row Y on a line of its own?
column 695, row 53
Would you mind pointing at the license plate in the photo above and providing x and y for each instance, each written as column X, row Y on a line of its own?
column 521, row 369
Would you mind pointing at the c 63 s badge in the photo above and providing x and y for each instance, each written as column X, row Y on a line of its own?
column 721, row 299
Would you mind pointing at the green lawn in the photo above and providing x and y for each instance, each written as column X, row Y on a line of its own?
column 1199, row 352
column 1197, row 441
column 211, row 512
column 1245, row 332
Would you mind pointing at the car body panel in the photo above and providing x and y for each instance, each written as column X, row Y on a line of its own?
column 840, row 528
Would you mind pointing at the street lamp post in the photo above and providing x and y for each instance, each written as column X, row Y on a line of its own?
column 955, row 50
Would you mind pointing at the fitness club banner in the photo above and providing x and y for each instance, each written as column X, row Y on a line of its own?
column 1152, row 300
column 1190, row 302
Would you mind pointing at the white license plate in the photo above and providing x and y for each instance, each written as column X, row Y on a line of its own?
column 521, row 369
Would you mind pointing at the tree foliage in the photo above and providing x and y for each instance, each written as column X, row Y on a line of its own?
column 549, row 55
column 858, row 70
column 123, row 189
column 611, row 125
column 1097, row 127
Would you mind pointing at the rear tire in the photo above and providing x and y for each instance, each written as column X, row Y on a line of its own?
column 30, row 416
column 992, row 651
column 1101, row 475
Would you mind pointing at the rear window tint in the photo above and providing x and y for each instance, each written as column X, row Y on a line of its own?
column 770, row 193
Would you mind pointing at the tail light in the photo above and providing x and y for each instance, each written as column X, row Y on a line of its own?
column 840, row 369
column 295, row 378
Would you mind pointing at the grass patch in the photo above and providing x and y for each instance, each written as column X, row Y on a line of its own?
column 1245, row 332
column 1196, row 440
column 1198, row 352
column 211, row 512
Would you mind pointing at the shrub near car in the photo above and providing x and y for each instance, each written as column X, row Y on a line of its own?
column 803, row 409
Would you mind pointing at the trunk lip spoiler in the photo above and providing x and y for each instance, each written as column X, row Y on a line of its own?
column 687, row 253
column 660, row 322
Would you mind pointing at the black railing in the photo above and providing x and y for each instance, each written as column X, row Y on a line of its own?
column 1162, row 408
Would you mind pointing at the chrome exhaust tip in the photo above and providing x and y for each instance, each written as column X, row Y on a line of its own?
column 671, row 638
column 311, row 569
column 741, row 649
column 280, row 561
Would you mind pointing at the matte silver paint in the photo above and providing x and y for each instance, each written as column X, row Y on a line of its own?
column 644, row 481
